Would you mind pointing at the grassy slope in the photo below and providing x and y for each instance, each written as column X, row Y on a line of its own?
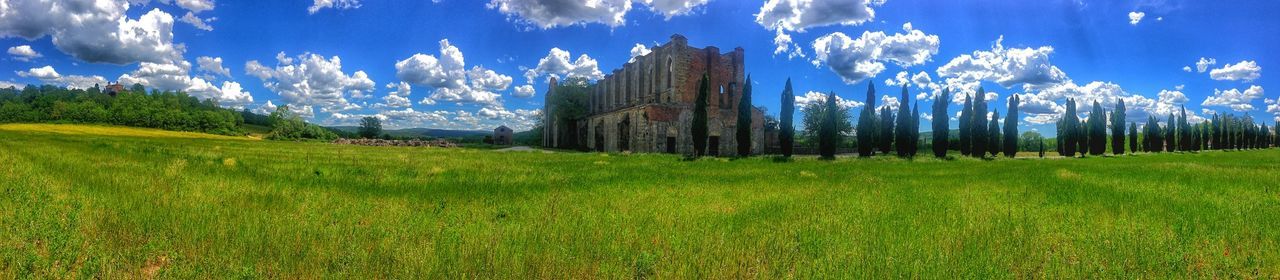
column 197, row 208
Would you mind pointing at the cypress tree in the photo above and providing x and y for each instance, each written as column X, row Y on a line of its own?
column 1133, row 137
column 1169, row 134
column 1117, row 128
column 827, row 132
column 1276, row 137
column 902, row 132
column 788, row 134
column 867, row 124
column 978, row 127
column 885, row 141
column 1097, row 130
column 1082, row 144
column 1184, row 130
column 993, row 133
column 915, row 130
column 1041, row 148
column 941, row 128
column 966, row 124
column 1011, row 127
column 699, row 126
column 1070, row 128
column 744, row 120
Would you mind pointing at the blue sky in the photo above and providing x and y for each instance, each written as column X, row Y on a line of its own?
column 360, row 56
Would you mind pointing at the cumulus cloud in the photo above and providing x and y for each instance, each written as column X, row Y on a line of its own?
column 212, row 65
column 449, row 79
column 318, row 5
column 786, row 16
column 858, row 59
column 1136, row 17
column 98, row 32
column 1237, row 100
column 1047, row 105
column 816, row 97
column 1006, row 67
column 557, row 64
column 551, row 14
column 1186, row 69
column 1273, row 107
column 197, row 22
column 48, row 75
column 175, row 77
column 638, row 51
column 23, row 53
column 1242, row 71
column 1204, row 63
column 399, row 96
column 311, row 80
column 524, row 91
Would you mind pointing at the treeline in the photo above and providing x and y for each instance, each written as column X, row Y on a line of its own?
column 130, row 107
column 136, row 107
column 883, row 130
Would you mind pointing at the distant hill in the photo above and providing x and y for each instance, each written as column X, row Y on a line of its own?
column 423, row 132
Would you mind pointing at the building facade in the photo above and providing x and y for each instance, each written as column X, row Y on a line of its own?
column 647, row 104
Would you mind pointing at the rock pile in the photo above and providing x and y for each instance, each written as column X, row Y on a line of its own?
column 397, row 143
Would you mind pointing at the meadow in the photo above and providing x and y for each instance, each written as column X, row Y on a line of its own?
column 111, row 202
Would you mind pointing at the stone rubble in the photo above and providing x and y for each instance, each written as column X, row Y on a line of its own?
column 396, row 143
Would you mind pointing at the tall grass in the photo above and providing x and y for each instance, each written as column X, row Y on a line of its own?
column 90, row 205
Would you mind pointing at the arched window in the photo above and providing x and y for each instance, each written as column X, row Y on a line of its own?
column 670, row 73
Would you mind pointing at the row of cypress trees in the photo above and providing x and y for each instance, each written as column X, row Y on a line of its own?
column 1177, row 134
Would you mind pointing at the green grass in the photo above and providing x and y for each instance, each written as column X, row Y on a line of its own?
column 134, row 205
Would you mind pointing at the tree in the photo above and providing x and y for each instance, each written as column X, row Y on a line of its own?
column 370, row 127
column 941, row 129
column 993, row 133
column 1184, row 130
column 1133, row 137
column 744, row 120
column 828, row 136
column 1011, row 127
column 1097, row 130
column 915, row 130
column 1070, row 128
column 978, row 127
column 867, row 124
column 902, row 132
column 1041, row 149
column 885, row 141
column 1117, row 128
column 787, row 136
column 699, row 126
column 966, row 124
column 1169, row 134
column 814, row 112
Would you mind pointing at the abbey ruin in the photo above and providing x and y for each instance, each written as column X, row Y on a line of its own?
column 647, row 104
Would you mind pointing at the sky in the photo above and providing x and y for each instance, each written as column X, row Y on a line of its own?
column 472, row 64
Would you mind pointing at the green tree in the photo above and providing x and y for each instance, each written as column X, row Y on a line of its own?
column 1117, row 128
column 829, row 137
column 1070, row 128
column 699, row 126
column 993, row 133
column 1133, row 137
column 787, row 135
column 1011, row 127
column 370, row 127
column 1097, row 130
column 866, row 133
column 814, row 112
column 744, row 120
column 941, row 129
column 1170, row 136
column 966, row 125
column 902, row 131
column 885, row 128
column 915, row 130
column 978, row 127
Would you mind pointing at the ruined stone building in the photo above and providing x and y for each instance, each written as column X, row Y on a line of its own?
column 647, row 104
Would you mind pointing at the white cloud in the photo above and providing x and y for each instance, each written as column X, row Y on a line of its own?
column 1204, row 63
column 524, row 91
column 229, row 95
column 813, row 97
column 1006, row 67
column 266, row 108
column 1273, row 107
column 671, row 8
column 1186, row 69
column 399, row 97
column 212, row 65
column 48, row 75
column 317, row 5
column 23, row 53
column 858, row 59
column 1136, row 17
column 1237, row 100
column 175, row 77
column 98, row 32
column 196, row 6
column 548, row 14
column 312, row 81
column 785, row 16
column 197, row 22
column 1242, row 71
column 557, row 64
column 638, row 51
column 887, row 101
column 448, row 76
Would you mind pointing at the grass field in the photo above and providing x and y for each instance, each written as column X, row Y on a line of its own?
column 84, row 201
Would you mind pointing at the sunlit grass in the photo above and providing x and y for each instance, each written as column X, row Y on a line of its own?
column 129, row 204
